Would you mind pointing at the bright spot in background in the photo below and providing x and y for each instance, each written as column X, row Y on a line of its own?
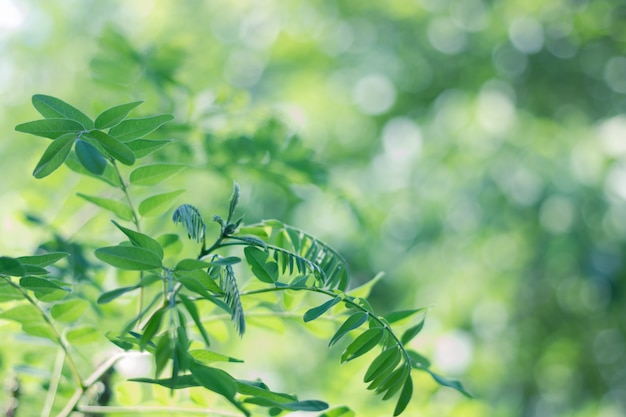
column 615, row 74
column 490, row 319
column 445, row 36
column 374, row 94
column 402, row 139
column 615, row 183
column 612, row 133
column 11, row 17
column 135, row 365
column 244, row 68
column 556, row 214
column 453, row 352
column 496, row 110
column 526, row 34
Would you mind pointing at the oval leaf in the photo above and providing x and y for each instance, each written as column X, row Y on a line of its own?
column 153, row 206
column 410, row 333
column 113, row 147
column 129, row 257
column 114, row 115
column 82, row 335
column 144, row 147
column 90, row 157
column 118, row 208
column 263, row 270
column 50, row 128
column 137, row 128
column 140, row 240
column 351, row 323
column 363, row 344
column 405, row 397
column 215, row 380
column 315, row 312
column 54, row 156
column 52, row 107
column 113, row 294
column 42, row 260
column 154, row 174
column 69, row 311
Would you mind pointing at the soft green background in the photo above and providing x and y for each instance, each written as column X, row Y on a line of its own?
column 474, row 151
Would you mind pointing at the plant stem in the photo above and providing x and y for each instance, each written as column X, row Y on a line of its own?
column 68, row 357
column 151, row 410
column 54, row 384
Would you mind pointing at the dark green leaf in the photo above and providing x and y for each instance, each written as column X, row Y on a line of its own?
column 114, row 115
column 11, row 267
column 386, row 361
column 202, row 277
column 418, row 361
column 363, row 344
column 118, row 208
column 195, row 316
column 141, row 240
column 137, row 128
column 38, row 284
column 113, row 294
column 400, row 315
column 50, row 128
column 307, row 405
column 115, row 148
column 192, row 220
column 152, row 206
column 315, row 312
column 52, row 107
column 351, row 323
column 108, row 175
column 259, row 389
column 162, row 353
column 229, row 260
column 90, row 157
column 405, row 396
column 234, row 200
column 263, row 270
column 129, row 257
column 154, row 174
column 215, row 380
column 42, row 260
column 410, row 333
column 54, row 156
column 180, row 382
column 152, row 327
column 193, row 285
column 144, row 147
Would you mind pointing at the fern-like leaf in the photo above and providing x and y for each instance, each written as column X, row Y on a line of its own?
column 228, row 283
column 294, row 249
column 192, row 220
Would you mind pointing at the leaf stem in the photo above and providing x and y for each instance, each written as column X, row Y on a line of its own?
column 54, row 384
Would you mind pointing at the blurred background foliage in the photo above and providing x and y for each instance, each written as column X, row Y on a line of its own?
column 473, row 150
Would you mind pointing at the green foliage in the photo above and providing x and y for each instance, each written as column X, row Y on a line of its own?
column 281, row 257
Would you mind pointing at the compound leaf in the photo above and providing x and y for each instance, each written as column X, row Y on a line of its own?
column 351, row 323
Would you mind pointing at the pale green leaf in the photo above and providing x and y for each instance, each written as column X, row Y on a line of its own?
column 153, row 206
column 118, row 208
column 154, row 174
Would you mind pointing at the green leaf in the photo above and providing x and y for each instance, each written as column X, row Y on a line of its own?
column 31, row 320
column 54, row 156
column 363, row 344
column 154, row 174
column 191, row 264
column 229, row 260
column 118, row 208
column 315, row 312
column 129, row 257
column 259, row 389
column 193, row 312
column 234, row 200
column 207, row 356
column 263, row 270
column 112, row 116
column 137, row 128
column 52, row 107
column 364, row 290
column 351, row 323
column 69, row 311
column 418, row 361
column 90, row 157
column 451, row 383
column 192, row 220
column 113, row 294
column 307, row 405
column 141, row 240
column 38, row 284
column 44, row 259
column 82, row 335
column 401, row 315
column 163, row 353
column 338, row 412
column 112, row 146
column 50, row 128
column 394, row 381
column 385, row 361
column 11, row 267
column 144, row 147
column 410, row 333
column 202, row 277
column 215, row 380
column 405, row 397
column 151, row 328
column 108, row 175
column 193, row 285
column 8, row 292
column 180, row 382
column 152, row 206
